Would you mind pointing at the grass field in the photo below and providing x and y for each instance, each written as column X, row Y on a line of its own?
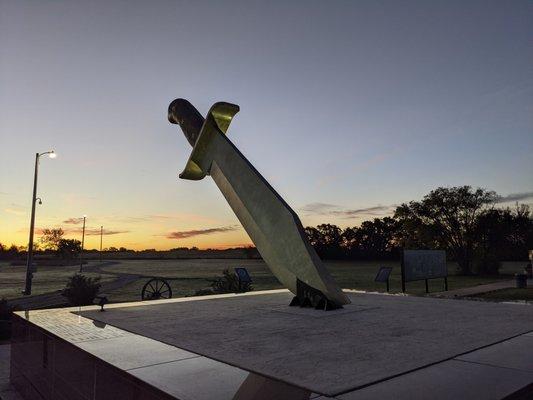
column 188, row 275
column 46, row 279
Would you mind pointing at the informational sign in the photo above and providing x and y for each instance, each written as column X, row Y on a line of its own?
column 243, row 275
column 419, row 265
column 383, row 274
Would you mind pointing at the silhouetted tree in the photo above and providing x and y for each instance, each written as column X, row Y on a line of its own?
column 502, row 234
column 331, row 235
column 350, row 243
column 68, row 248
column 378, row 238
column 51, row 237
column 460, row 220
column 446, row 218
column 11, row 252
column 326, row 240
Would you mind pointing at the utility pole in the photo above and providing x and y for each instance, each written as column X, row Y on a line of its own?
column 82, row 243
column 101, row 235
column 29, row 262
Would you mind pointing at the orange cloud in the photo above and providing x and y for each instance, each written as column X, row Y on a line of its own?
column 199, row 232
column 74, row 221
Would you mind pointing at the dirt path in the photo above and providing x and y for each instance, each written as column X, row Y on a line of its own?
column 472, row 291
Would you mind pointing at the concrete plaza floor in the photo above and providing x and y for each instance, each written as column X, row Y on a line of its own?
column 252, row 346
column 375, row 338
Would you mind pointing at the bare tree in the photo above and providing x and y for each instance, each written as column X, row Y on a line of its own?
column 51, row 237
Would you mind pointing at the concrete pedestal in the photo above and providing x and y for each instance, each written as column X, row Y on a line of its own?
column 254, row 346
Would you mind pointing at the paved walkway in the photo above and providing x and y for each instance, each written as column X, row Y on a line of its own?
column 498, row 366
column 501, row 371
column 474, row 290
column 360, row 344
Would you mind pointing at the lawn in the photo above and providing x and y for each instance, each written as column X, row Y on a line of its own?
column 45, row 280
column 189, row 275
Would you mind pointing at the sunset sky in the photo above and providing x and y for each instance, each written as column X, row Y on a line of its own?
column 348, row 108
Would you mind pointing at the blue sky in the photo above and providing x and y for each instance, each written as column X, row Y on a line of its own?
column 349, row 104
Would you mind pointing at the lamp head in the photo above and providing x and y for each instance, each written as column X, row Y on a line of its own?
column 52, row 154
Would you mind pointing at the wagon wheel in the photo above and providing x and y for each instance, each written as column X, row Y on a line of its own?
column 156, row 288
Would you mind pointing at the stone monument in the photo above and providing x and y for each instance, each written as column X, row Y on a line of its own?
column 272, row 225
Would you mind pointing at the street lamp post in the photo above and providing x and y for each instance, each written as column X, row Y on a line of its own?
column 101, row 235
column 82, row 243
column 29, row 264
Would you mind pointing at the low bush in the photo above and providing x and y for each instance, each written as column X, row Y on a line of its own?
column 229, row 283
column 81, row 290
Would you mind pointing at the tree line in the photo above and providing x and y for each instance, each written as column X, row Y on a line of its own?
column 465, row 222
column 51, row 241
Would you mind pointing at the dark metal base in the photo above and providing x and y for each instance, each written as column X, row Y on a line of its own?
column 307, row 296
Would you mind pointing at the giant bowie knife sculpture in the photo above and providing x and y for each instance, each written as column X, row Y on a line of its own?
column 272, row 225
